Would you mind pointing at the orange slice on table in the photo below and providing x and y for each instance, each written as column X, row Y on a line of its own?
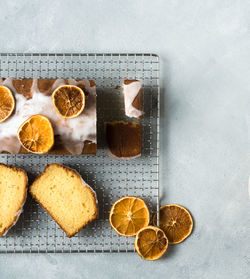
column 36, row 134
column 176, row 222
column 68, row 100
column 128, row 215
column 151, row 243
column 7, row 103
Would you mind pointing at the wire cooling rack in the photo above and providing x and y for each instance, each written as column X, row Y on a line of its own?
column 35, row 231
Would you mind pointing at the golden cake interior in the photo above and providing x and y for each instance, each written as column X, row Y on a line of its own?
column 13, row 188
column 63, row 194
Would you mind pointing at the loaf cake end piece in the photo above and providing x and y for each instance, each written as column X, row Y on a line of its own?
column 124, row 139
column 133, row 98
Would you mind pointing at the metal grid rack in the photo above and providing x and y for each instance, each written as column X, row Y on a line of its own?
column 35, row 231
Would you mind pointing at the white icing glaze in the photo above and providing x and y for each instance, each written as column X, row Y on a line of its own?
column 73, row 132
column 130, row 92
column 93, row 191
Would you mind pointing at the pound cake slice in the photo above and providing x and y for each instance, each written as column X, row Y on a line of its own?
column 13, row 192
column 133, row 98
column 70, row 201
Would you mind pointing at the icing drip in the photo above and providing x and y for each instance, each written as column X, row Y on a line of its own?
column 73, row 132
column 84, row 184
column 130, row 92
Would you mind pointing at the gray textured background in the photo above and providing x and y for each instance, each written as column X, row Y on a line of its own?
column 204, row 48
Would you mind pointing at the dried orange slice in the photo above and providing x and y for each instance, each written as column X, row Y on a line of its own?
column 36, row 134
column 176, row 222
column 128, row 215
column 68, row 100
column 151, row 243
column 7, row 103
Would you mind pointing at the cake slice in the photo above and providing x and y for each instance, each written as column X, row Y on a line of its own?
column 70, row 201
column 13, row 192
column 124, row 139
column 133, row 98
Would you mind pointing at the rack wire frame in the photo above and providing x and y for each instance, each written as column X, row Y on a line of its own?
column 35, row 231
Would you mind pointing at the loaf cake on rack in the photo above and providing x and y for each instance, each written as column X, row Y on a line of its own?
column 13, row 191
column 69, row 200
column 32, row 97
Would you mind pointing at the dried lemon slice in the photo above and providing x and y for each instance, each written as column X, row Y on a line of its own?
column 176, row 222
column 36, row 134
column 151, row 243
column 68, row 100
column 7, row 103
column 128, row 215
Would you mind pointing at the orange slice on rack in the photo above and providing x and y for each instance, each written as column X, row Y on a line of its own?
column 7, row 103
column 128, row 215
column 68, row 100
column 36, row 134
column 151, row 243
column 176, row 222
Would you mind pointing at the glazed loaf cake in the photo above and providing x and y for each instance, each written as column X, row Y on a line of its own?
column 33, row 96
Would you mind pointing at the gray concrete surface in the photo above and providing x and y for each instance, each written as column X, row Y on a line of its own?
column 204, row 48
